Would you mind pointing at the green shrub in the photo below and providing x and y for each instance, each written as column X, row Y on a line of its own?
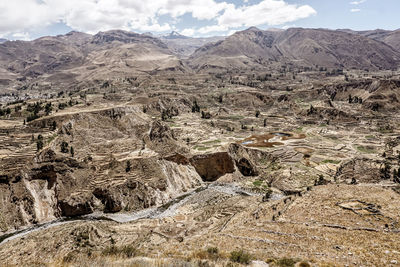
column 32, row 117
column 126, row 251
column 286, row 262
column 129, row 251
column 211, row 253
column 240, row 257
column 212, row 250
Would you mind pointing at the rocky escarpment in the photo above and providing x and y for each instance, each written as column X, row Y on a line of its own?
column 107, row 160
column 373, row 95
column 110, row 160
column 75, row 206
column 212, row 166
column 364, row 170
column 245, row 159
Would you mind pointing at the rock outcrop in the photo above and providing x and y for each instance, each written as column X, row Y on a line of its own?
column 212, row 166
column 244, row 160
column 361, row 170
column 75, row 206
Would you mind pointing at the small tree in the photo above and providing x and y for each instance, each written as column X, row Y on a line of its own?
column 311, row 111
column 128, row 166
column 64, row 147
column 48, row 108
column 386, row 170
column 54, row 125
column 265, row 122
column 195, row 107
column 72, row 151
column 257, row 113
column 39, row 145
column 205, row 115
column 164, row 115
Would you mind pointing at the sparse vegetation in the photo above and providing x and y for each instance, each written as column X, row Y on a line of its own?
column 211, row 253
column 204, row 157
column 286, row 262
column 127, row 251
column 366, row 149
column 331, row 161
column 240, row 256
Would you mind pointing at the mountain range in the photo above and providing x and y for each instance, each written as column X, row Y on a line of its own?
column 76, row 56
column 391, row 38
column 302, row 47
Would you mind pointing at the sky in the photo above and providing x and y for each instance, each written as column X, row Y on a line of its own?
column 30, row 19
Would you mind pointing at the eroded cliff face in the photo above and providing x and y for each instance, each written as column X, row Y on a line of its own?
column 116, row 165
column 108, row 160
column 213, row 166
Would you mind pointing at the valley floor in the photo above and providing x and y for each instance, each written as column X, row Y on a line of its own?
column 203, row 171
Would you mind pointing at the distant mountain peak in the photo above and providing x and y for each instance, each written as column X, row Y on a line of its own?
column 253, row 29
column 2, row 40
column 175, row 35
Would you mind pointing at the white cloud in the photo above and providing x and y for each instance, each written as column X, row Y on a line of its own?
column 98, row 15
column 188, row 32
column 20, row 15
column 355, row 10
column 289, row 26
column 22, row 36
column 200, row 9
column 91, row 16
column 270, row 12
column 212, row 28
column 358, row 2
